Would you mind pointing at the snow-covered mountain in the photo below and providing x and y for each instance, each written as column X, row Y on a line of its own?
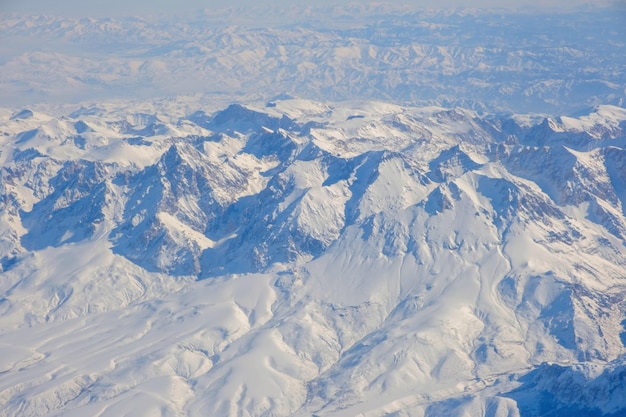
column 298, row 258
column 519, row 61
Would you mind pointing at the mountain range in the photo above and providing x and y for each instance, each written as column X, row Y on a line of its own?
column 293, row 257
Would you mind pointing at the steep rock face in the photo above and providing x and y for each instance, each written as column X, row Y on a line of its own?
column 73, row 211
column 9, row 224
column 615, row 160
column 451, row 163
column 314, row 259
column 21, row 183
column 275, row 225
column 568, row 178
column 560, row 391
column 169, row 206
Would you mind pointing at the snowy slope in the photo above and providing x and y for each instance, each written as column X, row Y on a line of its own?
column 305, row 258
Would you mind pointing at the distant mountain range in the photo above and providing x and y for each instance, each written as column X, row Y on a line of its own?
column 486, row 60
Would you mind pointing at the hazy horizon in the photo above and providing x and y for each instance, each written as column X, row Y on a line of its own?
column 100, row 8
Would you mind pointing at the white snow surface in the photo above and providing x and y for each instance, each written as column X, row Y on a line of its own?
column 301, row 258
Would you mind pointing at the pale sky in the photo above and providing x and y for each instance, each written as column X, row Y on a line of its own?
column 138, row 7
